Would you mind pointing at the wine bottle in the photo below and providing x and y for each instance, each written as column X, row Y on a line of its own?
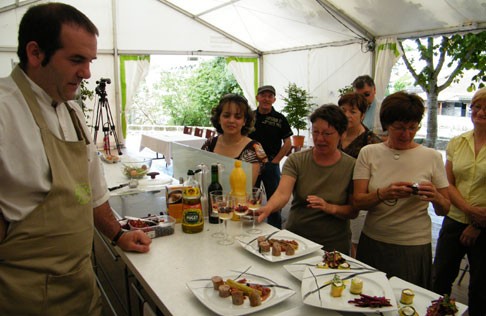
column 213, row 186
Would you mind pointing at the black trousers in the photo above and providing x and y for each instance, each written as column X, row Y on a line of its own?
column 448, row 256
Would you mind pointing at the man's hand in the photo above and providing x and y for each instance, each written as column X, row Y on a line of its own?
column 469, row 235
column 134, row 240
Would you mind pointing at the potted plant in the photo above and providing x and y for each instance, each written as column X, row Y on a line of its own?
column 297, row 107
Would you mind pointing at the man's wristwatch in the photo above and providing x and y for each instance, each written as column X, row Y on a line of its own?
column 117, row 236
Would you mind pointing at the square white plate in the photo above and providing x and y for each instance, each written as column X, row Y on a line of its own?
column 423, row 298
column 374, row 284
column 296, row 269
column 204, row 291
column 306, row 246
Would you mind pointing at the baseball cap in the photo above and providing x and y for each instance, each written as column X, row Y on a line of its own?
column 266, row 88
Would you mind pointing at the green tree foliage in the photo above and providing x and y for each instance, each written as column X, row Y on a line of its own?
column 465, row 52
column 184, row 95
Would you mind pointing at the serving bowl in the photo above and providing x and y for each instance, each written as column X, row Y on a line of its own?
column 136, row 168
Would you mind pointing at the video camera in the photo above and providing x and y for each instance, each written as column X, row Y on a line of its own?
column 101, row 88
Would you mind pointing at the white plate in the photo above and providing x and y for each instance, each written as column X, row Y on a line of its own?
column 374, row 284
column 296, row 269
column 422, row 299
column 204, row 291
column 306, row 246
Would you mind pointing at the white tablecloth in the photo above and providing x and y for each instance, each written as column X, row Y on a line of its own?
column 162, row 143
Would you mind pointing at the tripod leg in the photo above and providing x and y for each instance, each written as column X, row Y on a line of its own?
column 111, row 123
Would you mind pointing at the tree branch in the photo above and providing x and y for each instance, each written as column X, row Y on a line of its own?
column 409, row 65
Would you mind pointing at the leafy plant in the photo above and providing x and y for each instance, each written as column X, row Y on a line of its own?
column 84, row 94
column 297, row 106
column 346, row 89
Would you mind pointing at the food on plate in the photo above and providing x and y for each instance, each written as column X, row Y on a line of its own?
column 290, row 251
column 111, row 158
column 332, row 260
column 337, row 286
column 442, row 306
column 277, row 246
column 407, row 311
column 224, row 290
column 276, row 249
column 217, row 281
column 237, row 297
column 356, row 286
column 264, row 247
column 407, row 297
column 344, row 266
column 370, row 301
column 240, row 290
column 255, row 299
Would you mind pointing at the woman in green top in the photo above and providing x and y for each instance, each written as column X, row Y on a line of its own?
column 320, row 180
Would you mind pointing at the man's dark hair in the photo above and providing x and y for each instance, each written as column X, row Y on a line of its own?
column 361, row 81
column 242, row 104
column 333, row 115
column 42, row 24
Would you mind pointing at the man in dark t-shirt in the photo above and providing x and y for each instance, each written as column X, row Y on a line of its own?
column 273, row 132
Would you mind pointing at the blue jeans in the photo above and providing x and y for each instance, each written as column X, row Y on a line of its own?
column 271, row 177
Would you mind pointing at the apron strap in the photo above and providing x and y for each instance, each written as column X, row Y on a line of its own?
column 34, row 106
column 31, row 100
column 77, row 124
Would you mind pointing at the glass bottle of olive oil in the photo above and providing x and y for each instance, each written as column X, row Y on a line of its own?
column 192, row 214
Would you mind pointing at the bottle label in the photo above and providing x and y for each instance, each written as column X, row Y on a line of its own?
column 191, row 192
column 192, row 216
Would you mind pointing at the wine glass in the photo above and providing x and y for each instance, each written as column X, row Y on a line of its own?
column 214, row 196
column 254, row 201
column 240, row 209
column 225, row 212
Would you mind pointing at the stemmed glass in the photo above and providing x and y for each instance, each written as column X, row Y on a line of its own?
column 254, row 201
column 214, row 196
column 241, row 209
column 225, row 212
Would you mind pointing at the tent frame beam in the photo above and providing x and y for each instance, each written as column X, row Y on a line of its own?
column 210, row 26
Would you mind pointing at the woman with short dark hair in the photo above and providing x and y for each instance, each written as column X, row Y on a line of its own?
column 396, row 181
column 356, row 136
column 319, row 179
column 233, row 119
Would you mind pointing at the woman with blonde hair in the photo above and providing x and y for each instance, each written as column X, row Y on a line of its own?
column 463, row 229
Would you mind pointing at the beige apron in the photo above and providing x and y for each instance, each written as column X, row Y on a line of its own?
column 45, row 266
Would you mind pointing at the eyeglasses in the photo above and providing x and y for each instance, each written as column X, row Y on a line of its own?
column 403, row 129
column 315, row 134
column 477, row 108
column 367, row 94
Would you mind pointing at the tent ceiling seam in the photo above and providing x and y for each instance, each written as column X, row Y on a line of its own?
column 348, row 20
column 210, row 26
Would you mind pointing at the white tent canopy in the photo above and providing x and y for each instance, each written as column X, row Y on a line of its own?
column 321, row 45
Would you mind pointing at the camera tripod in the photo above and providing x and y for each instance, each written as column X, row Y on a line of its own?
column 108, row 126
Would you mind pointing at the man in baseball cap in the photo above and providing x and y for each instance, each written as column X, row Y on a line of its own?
column 273, row 131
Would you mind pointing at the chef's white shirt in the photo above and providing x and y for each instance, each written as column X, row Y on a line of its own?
column 25, row 177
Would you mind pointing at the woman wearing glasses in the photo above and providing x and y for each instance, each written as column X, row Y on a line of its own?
column 320, row 181
column 233, row 119
column 396, row 181
column 464, row 228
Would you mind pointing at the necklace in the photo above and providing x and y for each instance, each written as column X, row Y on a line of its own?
column 396, row 155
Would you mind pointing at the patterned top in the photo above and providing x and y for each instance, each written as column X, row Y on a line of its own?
column 252, row 153
column 366, row 138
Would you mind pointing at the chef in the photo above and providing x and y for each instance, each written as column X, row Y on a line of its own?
column 52, row 191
